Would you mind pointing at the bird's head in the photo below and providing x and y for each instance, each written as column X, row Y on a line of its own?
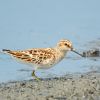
column 66, row 45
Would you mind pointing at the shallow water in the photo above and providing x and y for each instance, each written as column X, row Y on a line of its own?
column 36, row 24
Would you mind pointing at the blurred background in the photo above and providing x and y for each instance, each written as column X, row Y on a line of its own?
column 42, row 23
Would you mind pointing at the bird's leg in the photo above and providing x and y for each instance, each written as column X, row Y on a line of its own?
column 33, row 74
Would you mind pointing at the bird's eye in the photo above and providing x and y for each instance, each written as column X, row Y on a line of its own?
column 65, row 43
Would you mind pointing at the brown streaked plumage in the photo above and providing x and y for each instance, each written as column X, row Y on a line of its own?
column 43, row 58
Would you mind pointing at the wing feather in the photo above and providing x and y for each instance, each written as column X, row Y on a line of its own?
column 35, row 56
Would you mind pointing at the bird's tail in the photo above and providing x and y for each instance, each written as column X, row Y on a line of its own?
column 5, row 50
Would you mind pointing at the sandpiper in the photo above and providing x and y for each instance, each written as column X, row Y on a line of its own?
column 43, row 58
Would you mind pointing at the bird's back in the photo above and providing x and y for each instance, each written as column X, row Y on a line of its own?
column 41, row 57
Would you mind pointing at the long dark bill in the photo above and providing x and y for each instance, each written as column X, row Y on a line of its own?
column 77, row 53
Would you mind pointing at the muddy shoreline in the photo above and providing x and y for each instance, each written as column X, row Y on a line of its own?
column 75, row 87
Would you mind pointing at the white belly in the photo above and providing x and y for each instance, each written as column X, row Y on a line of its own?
column 48, row 64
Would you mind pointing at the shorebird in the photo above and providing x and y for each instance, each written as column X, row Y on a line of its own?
column 43, row 58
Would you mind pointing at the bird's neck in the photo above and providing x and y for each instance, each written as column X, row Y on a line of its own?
column 60, row 53
column 61, row 50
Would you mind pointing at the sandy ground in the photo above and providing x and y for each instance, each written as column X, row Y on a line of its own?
column 69, row 87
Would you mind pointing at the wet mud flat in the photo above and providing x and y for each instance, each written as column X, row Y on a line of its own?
column 69, row 87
